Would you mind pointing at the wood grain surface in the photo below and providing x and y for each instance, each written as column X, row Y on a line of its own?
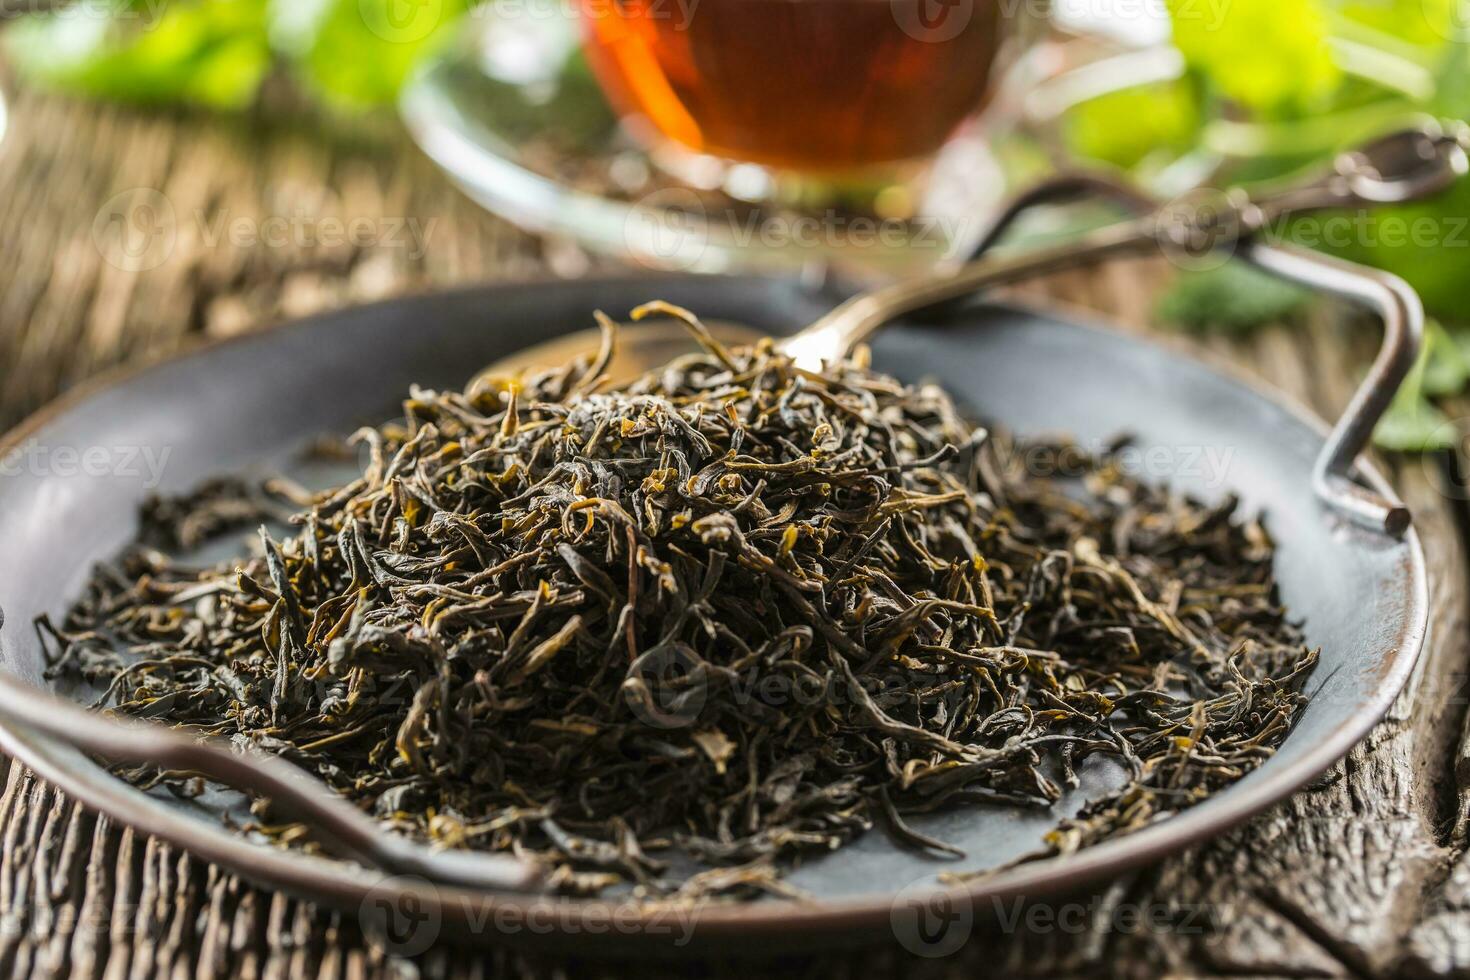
column 1365, row 874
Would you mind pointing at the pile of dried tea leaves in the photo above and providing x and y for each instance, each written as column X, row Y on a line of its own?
column 733, row 609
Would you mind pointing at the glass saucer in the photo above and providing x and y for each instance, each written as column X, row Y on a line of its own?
column 514, row 116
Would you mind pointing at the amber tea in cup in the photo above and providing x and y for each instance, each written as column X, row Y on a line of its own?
column 818, row 86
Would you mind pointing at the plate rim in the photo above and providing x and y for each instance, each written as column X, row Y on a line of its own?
column 806, row 924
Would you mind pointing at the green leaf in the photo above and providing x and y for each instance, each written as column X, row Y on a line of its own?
column 1413, row 423
column 210, row 52
column 1459, row 335
column 1426, row 243
column 1414, row 426
column 1125, row 127
column 1270, row 56
column 350, row 53
column 356, row 54
column 1445, row 366
column 1428, row 23
column 1233, row 297
column 1452, row 83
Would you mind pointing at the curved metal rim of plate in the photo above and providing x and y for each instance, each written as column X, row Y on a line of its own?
column 513, row 918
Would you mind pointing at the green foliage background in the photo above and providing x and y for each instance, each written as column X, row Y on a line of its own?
column 1270, row 87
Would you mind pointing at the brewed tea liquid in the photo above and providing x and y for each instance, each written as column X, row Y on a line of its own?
column 811, row 85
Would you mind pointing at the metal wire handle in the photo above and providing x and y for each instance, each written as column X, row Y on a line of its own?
column 334, row 823
column 1401, row 166
column 1398, row 306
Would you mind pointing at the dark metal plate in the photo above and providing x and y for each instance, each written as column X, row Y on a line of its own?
column 254, row 402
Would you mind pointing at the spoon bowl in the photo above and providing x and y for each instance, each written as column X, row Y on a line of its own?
column 640, row 348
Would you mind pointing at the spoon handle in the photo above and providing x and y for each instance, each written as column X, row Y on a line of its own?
column 335, row 824
column 834, row 335
column 1403, row 166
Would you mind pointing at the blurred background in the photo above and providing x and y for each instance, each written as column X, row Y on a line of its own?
column 184, row 167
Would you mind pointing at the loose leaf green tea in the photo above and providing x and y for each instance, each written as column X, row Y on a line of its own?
column 733, row 610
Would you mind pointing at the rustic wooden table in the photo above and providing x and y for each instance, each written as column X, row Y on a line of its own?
column 1365, row 874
